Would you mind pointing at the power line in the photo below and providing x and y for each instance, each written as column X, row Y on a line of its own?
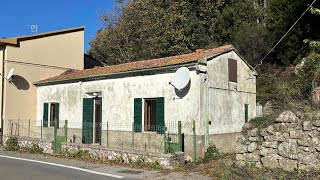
column 261, row 62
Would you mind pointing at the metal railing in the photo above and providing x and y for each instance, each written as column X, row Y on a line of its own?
column 28, row 128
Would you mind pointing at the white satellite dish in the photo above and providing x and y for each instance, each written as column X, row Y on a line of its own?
column 10, row 74
column 181, row 78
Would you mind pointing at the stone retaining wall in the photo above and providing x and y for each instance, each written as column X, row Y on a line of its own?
column 289, row 143
column 108, row 154
column 25, row 142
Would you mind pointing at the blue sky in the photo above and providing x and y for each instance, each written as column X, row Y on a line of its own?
column 52, row 15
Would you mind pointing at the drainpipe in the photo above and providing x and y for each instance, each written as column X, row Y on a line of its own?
column 3, row 48
column 206, row 112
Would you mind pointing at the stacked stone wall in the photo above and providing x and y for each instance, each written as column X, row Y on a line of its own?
column 290, row 143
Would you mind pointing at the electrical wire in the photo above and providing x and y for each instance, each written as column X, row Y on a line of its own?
column 261, row 62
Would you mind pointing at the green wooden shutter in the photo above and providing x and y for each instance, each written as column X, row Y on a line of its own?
column 160, row 115
column 56, row 113
column 137, row 118
column 45, row 114
column 100, row 120
column 87, row 121
column 246, row 113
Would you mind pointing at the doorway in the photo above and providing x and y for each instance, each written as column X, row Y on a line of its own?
column 92, row 120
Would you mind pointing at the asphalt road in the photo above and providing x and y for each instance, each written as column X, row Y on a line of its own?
column 15, row 169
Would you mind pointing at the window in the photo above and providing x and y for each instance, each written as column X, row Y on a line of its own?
column 150, row 114
column 153, row 118
column 232, row 69
column 51, row 114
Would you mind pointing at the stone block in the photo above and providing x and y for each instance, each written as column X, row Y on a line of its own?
column 287, row 116
column 254, row 132
column 270, row 161
column 307, row 158
column 240, row 148
column 307, row 125
column 288, row 164
column 288, row 149
column 304, row 140
column 316, row 123
column 263, row 151
column 270, row 129
column 252, row 147
column 263, row 132
column 295, row 134
column 239, row 157
column 252, row 157
column 254, row 139
column 268, row 144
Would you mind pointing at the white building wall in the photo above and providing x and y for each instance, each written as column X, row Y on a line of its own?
column 226, row 106
column 118, row 99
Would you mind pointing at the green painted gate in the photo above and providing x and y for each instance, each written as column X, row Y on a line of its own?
column 173, row 138
column 59, row 139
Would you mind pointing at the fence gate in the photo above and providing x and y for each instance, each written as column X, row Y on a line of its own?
column 59, row 139
column 173, row 137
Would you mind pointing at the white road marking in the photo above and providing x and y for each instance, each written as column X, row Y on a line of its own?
column 65, row 166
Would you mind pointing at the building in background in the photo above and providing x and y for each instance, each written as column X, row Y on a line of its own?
column 35, row 57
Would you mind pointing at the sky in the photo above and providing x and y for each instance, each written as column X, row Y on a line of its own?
column 49, row 15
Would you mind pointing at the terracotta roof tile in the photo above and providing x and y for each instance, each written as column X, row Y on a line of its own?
column 140, row 65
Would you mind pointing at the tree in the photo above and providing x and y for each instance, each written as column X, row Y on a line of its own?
column 281, row 16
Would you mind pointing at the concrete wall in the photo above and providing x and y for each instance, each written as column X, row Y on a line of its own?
column 55, row 54
column 118, row 100
column 227, row 106
column 1, row 58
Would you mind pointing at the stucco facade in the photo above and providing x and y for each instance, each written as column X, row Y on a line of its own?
column 210, row 99
column 33, row 58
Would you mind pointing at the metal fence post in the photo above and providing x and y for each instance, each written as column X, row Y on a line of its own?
column 11, row 127
column 132, row 135
column 66, row 130
column 194, row 142
column 107, row 134
column 18, row 127
column 41, row 128
column 179, row 136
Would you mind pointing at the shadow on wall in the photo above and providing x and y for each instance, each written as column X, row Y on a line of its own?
column 183, row 92
column 20, row 82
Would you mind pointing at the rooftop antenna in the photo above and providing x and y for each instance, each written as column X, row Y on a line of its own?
column 33, row 28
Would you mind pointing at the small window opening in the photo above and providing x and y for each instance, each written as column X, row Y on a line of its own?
column 150, row 115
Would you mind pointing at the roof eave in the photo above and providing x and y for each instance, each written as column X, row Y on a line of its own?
column 94, row 77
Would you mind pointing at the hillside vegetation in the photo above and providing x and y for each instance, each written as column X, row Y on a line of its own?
column 144, row 29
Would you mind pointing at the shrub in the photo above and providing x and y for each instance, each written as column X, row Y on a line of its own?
column 211, row 153
column 35, row 149
column 12, row 144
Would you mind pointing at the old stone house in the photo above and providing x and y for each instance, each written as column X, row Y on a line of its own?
column 137, row 96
